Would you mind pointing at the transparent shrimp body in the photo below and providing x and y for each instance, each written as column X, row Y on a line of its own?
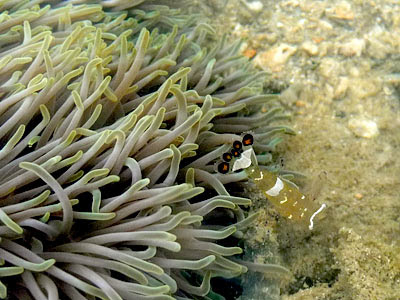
column 288, row 200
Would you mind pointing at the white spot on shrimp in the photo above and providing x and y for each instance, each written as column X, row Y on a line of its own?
column 243, row 162
column 276, row 189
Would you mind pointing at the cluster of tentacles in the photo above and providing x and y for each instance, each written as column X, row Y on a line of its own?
column 112, row 117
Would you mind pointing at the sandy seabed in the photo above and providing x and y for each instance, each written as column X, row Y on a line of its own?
column 337, row 66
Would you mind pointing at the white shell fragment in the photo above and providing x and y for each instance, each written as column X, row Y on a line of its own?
column 244, row 161
column 363, row 127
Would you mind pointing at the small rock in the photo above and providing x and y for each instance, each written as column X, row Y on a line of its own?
column 359, row 196
column 275, row 58
column 325, row 25
column 342, row 11
column 354, row 72
column 341, row 88
column 329, row 68
column 388, row 91
column 378, row 49
column 280, row 25
column 363, row 127
column 360, row 88
column 310, row 48
column 352, row 48
column 255, row 6
column 324, row 48
column 249, row 53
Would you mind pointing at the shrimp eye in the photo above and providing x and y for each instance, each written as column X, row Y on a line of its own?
column 236, row 153
column 248, row 139
column 223, row 167
column 227, row 156
column 237, row 145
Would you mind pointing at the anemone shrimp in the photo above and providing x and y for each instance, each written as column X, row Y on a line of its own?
column 286, row 197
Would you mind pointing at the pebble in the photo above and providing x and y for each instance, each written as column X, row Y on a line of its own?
column 255, row 6
column 361, row 88
column 275, row 58
column 378, row 49
column 310, row 48
column 341, row 88
column 325, row 25
column 359, row 196
column 363, row 127
column 329, row 68
column 352, row 48
column 342, row 11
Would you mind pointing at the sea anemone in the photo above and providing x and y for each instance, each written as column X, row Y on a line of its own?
column 112, row 117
